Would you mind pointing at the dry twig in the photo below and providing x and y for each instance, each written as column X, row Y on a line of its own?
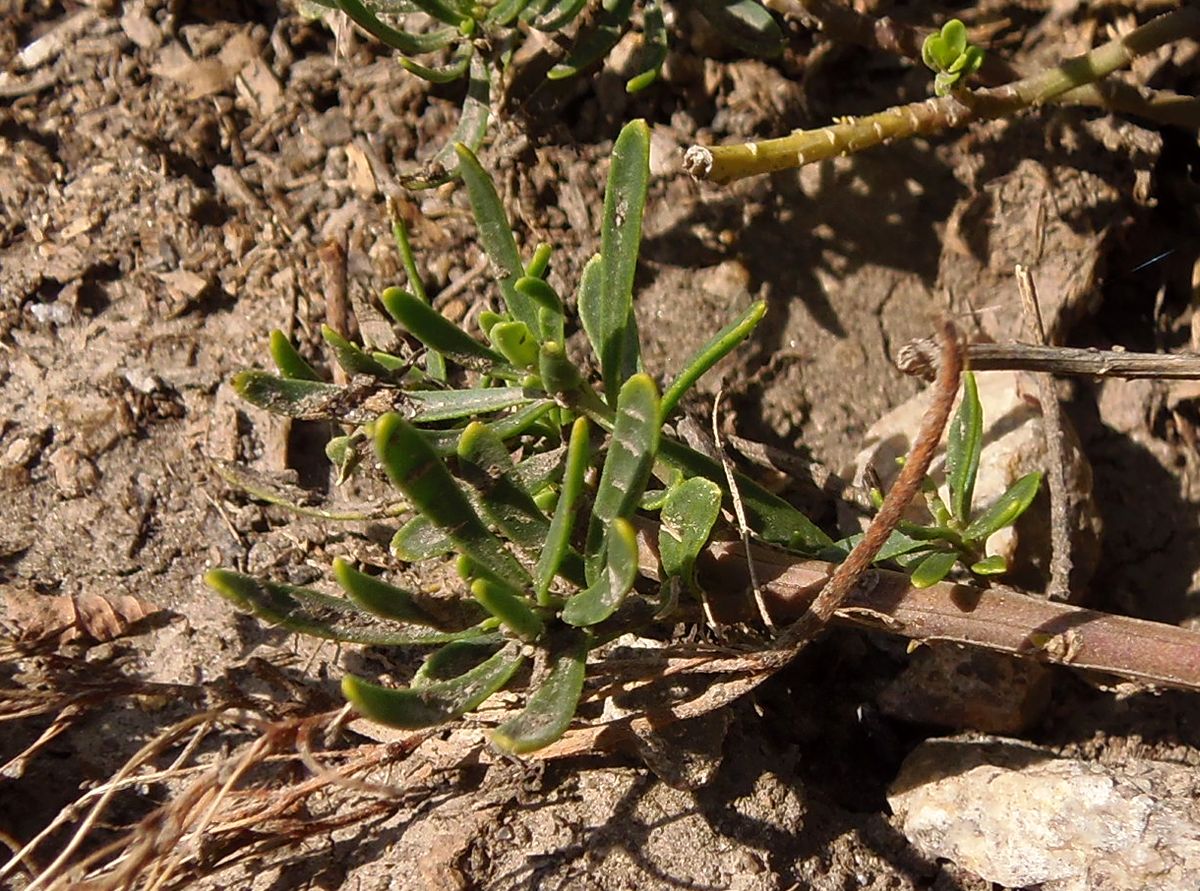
column 1059, row 587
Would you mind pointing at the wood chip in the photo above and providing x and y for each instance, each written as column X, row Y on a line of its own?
column 65, row 618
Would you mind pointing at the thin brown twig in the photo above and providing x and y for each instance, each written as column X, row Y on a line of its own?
column 907, row 484
column 919, row 358
column 740, row 512
column 1059, row 586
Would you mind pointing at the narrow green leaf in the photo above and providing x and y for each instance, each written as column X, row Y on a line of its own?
column 620, row 240
column 452, row 71
column 1006, row 510
column 897, row 545
column 746, row 24
column 559, row 536
column 505, row 11
column 550, row 306
column 353, row 359
column 487, row 466
column 964, row 444
column 410, row 44
column 289, row 362
column 319, row 615
column 631, row 452
column 509, row 607
column 294, row 398
column 447, row 405
column 496, row 236
column 688, row 514
column 713, row 352
column 434, row 330
column 451, row 661
column 549, row 711
column 419, row 539
column 419, row 473
column 558, row 15
column 605, row 594
column 594, row 44
column 378, row 597
column 433, row 704
column 993, row 565
column 933, row 568
column 445, row 442
column 435, row 362
column 589, row 302
column 768, row 515
column 539, row 263
column 654, row 45
column 471, row 128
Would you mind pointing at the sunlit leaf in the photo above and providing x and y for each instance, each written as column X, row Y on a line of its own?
column 654, row 43
column 993, row 565
column 746, row 24
column 417, row 471
column 631, row 452
column 289, row 362
column 716, row 349
column 559, row 536
column 306, row 611
column 1006, row 510
column 353, row 359
column 507, row 605
column 433, row 704
column 549, row 710
column 409, row 44
column 688, row 514
column 452, row 71
column 557, row 14
column 594, row 44
column 933, row 568
column 964, row 444
column 620, row 241
column 377, row 596
column 496, row 236
column 419, row 539
column 434, row 330
column 608, row 590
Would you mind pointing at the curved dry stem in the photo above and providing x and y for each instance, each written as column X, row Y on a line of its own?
column 885, row 34
column 723, row 164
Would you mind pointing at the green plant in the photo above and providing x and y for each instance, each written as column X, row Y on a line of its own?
column 949, row 55
column 536, row 473
column 483, row 39
column 958, row 534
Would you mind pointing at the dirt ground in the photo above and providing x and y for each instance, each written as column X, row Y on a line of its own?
column 167, row 178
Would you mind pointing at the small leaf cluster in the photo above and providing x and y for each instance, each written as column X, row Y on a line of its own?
column 482, row 38
column 540, row 476
column 959, row 534
column 948, row 53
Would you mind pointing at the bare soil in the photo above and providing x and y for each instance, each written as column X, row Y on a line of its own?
column 167, row 178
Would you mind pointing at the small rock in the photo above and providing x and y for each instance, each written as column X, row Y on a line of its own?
column 74, row 475
column 971, row 689
column 141, row 29
column 1016, row 815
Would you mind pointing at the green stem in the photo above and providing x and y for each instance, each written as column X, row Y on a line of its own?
column 723, row 164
